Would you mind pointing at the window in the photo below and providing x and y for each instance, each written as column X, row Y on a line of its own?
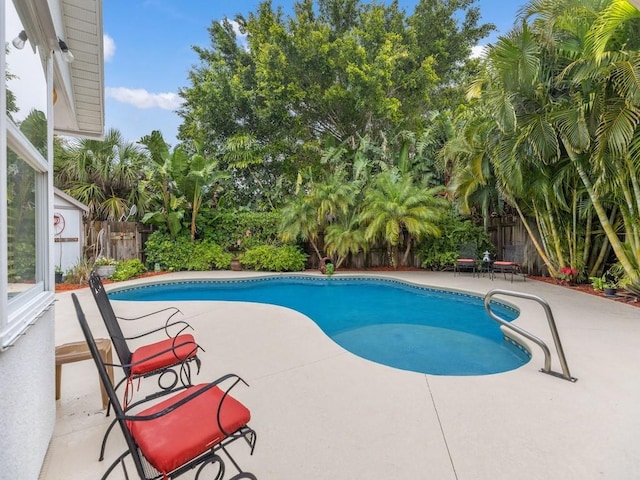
column 26, row 206
column 25, row 169
column 21, row 224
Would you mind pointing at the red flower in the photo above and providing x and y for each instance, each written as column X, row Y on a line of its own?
column 568, row 274
column 568, row 271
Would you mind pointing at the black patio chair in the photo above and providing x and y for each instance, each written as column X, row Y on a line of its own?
column 511, row 262
column 169, row 357
column 467, row 259
column 188, row 429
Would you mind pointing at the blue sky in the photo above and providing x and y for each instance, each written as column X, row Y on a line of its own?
column 148, row 54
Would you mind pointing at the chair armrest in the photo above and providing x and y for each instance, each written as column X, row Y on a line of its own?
column 176, row 310
column 166, row 327
column 168, row 323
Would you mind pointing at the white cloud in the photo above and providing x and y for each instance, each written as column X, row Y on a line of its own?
column 241, row 38
column 479, row 51
column 109, row 47
column 141, row 98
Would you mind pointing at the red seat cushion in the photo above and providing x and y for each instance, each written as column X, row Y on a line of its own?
column 505, row 264
column 174, row 439
column 466, row 260
column 163, row 354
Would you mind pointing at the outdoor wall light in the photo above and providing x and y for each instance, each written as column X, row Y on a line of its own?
column 66, row 53
column 20, row 40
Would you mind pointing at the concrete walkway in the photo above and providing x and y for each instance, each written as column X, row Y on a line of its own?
column 322, row 413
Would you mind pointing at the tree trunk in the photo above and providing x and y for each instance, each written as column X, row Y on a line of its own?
column 616, row 244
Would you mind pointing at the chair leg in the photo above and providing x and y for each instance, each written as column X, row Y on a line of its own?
column 118, row 461
column 58, row 380
column 104, row 439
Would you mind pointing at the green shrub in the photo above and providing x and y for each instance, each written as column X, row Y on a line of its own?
column 170, row 254
column 229, row 228
column 270, row 258
column 439, row 253
column 127, row 269
column 207, row 255
column 183, row 254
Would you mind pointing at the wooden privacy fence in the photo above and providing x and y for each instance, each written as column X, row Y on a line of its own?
column 504, row 232
column 125, row 240
column 509, row 230
column 117, row 240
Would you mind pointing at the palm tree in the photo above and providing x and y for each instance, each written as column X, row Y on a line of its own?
column 299, row 221
column 563, row 93
column 324, row 204
column 599, row 124
column 344, row 238
column 103, row 174
column 398, row 212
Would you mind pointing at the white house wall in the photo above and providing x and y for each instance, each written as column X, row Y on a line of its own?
column 27, row 361
column 27, row 401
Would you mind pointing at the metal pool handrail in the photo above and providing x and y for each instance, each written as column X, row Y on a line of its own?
column 552, row 326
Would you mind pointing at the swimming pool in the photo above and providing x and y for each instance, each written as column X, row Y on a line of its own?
column 390, row 322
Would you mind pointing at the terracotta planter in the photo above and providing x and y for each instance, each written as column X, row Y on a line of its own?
column 236, row 266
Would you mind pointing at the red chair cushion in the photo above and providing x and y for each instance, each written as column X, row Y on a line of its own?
column 179, row 436
column 163, row 354
column 505, row 264
column 466, row 260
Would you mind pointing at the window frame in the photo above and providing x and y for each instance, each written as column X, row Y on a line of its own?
column 18, row 313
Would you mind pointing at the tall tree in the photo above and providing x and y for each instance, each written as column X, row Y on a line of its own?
column 562, row 92
column 332, row 72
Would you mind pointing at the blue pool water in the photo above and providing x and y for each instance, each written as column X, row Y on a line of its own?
column 386, row 321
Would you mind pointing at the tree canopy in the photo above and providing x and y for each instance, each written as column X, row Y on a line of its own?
column 328, row 74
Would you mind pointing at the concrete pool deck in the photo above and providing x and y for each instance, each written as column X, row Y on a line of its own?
column 322, row 413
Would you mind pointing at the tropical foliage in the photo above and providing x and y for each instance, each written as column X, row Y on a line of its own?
column 342, row 124
column 286, row 258
column 102, row 174
column 278, row 99
column 554, row 128
column 181, row 253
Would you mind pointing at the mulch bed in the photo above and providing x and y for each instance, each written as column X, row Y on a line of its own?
column 584, row 288
column 65, row 287
column 587, row 288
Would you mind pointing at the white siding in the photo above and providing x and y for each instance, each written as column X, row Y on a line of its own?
column 27, row 401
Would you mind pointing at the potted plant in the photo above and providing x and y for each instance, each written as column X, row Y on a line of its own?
column 58, row 272
column 326, row 266
column 606, row 284
column 236, row 266
column 329, row 269
column 610, row 289
column 105, row 267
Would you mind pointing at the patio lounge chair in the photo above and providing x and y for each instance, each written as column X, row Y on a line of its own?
column 188, row 428
column 512, row 259
column 171, row 356
column 467, row 259
column 175, row 351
